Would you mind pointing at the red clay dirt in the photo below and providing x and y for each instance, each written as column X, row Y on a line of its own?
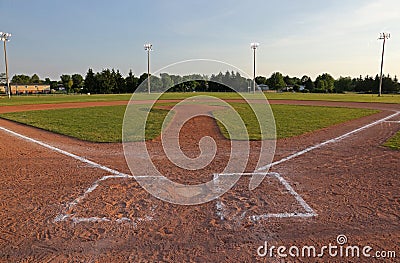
column 352, row 185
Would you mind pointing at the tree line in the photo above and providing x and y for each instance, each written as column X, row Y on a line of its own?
column 110, row 81
column 325, row 83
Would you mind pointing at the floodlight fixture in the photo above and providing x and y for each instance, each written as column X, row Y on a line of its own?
column 254, row 46
column 382, row 36
column 6, row 37
column 148, row 47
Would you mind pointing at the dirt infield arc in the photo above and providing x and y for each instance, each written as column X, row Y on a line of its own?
column 352, row 184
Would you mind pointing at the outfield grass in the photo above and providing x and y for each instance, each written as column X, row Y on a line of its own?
column 51, row 99
column 104, row 124
column 394, row 142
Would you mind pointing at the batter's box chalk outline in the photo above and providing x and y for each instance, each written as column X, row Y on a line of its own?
column 67, row 215
column 221, row 210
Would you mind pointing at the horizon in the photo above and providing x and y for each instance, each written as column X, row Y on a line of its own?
column 308, row 38
column 216, row 73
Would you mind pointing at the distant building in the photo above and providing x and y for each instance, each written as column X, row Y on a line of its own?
column 263, row 87
column 27, row 89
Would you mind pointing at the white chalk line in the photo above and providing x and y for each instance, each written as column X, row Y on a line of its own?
column 115, row 174
column 319, row 145
column 392, row 121
column 66, row 215
column 74, row 156
column 221, row 210
column 220, row 207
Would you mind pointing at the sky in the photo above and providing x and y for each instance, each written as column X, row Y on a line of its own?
column 308, row 37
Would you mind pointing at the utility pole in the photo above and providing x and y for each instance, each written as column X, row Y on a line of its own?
column 148, row 48
column 6, row 37
column 254, row 46
column 383, row 36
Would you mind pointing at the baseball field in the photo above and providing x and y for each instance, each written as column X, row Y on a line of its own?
column 68, row 194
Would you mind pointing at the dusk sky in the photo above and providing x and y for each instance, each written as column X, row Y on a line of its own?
column 51, row 37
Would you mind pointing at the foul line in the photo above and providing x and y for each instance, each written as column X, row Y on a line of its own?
column 310, row 212
column 79, row 158
column 341, row 137
column 115, row 174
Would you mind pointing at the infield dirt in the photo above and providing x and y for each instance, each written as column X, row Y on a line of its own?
column 352, row 185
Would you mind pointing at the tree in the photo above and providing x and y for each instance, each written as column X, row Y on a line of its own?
column 389, row 85
column 66, row 82
column 240, row 83
column 119, row 82
column 276, row 81
column 78, row 82
column 155, row 84
column 176, row 79
column 343, row 84
column 90, row 82
column 190, row 83
column 307, row 82
column 21, row 79
column 324, row 83
column 396, row 85
column 105, row 81
column 47, row 81
column 52, row 84
column 131, row 82
column 261, row 80
column 35, row 79
column 142, row 78
column 167, row 82
column 289, row 81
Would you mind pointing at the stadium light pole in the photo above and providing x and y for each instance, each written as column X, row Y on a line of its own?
column 383, row 36
column 254, row 46
column 6, row 37
column 148, row 47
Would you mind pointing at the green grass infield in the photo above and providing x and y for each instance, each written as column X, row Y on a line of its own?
column 104, row 124
column 394, row 142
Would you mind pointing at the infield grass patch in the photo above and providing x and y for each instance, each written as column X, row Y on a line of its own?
column 294, row 120
column 104, row 124
column 94, row 124
column 394, row 142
